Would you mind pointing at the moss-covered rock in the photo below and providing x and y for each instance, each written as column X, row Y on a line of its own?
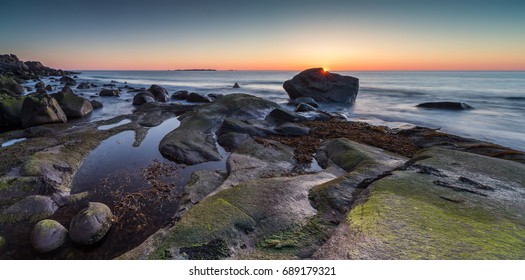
column 10, row 108
column 91, row 224
column 41, row 109
column 3, row 243
column 32, row 208
column 447, row 205
column 73, row 105
column 9, row 86
column 48, row 235
column 194, row 141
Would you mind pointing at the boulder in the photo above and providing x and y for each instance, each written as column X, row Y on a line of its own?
column 109, row 92
column 10, row 108
column 84, row 86
column 40, row 85
column 195, row 97
column 10, row 86
column 303, row 107
column 48, row 235
column 32, row 208
column 49, row 88
column 108, row 85
column 180, row 95
column 41, row 109
column 91, row 224
column 446, row 105
column 143, row 97
column 323, row 86
column 159, row 93
column 236, row 85
column 65, row 79
column 96, row 104
column 73, row 106
column 215, row 95
column 291, row 129
column 232, row 140
column 279, row 116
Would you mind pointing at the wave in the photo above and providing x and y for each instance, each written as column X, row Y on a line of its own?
column 518, row 98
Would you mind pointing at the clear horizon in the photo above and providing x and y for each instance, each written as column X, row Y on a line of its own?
column 397, row 35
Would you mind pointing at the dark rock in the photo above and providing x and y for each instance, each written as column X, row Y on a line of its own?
column 68, row 83
column 236, row 85
column 280, row 116
column 40, row 85
column 323, row 86
column 76, row 77
column 195, row 97
column 91, row 224
column 308, row 100
column 232, row 140
column 65, row 79
column 3, row 243
column 40, row 90
column 180, row 95
column 114, row 82
column 109, row 92
column 73, row 106
column 108, row 85
column 446, row 105
column 10, row 108
column 159, row 93
column 96, row 104
column 84, row 86
column 10, row 86
column 246, row 127
column 93, row 85
column 143, row 97
column 318, row 116
column 48, row 235
column 41, row 109
column 303, row 107
column 292, row 129
column 194, row 140
column 49, row 88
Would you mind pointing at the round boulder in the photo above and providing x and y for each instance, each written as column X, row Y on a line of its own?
column 195, row 97
column 143, row 97
column 73, row 105
column 322, row 86
column 40, row 85
column 47, row 235
column 180, row 95
column 95, row 104
column 159, row 93
column 91, row 224
column 109, row 92
column 41, row 109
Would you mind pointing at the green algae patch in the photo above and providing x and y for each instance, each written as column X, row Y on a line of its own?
column 406, row 217
column 212, row 219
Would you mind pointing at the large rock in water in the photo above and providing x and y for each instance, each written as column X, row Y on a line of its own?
column 90, row 224
column 73, row 105
column 322, row 86
column 159, row 93
column 446, row 105
column 41, row 109
column 143, row 97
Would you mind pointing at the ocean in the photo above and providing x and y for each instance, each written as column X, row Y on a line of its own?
column 385, row 98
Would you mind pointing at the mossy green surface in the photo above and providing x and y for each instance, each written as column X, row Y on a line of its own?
column 405, row 217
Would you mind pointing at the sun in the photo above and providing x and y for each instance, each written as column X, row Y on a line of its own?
column 325, row 69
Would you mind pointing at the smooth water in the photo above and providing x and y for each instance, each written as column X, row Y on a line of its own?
column 388, row 98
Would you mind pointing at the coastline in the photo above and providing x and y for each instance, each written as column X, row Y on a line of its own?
column 293, row 186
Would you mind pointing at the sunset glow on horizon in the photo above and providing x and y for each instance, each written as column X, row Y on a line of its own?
column 268, row 35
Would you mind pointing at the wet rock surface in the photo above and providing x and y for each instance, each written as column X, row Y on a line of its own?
column 48, row 235
column 91, row 224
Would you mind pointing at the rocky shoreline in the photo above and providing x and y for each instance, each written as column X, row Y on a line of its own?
column 296, row 185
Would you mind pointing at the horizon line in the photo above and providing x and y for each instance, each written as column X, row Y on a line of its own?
column 293, row 70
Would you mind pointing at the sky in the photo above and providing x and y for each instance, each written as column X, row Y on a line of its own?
column 266, row 35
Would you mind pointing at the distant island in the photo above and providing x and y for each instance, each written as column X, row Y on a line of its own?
column 193, row 70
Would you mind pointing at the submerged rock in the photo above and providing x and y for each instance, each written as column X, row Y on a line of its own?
column 181, row 95
column 66, row 79
column 96, row 104
column 73, row 106
column 48, row 235
column 159, row 93
column 195, row 97
column 49, row 88
column 91, row 224
column 84, row 86
column 41, row 109
column 143, row 97
column 323, row 86
column 109, row 92
column 446, row 105
column 236, row 85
